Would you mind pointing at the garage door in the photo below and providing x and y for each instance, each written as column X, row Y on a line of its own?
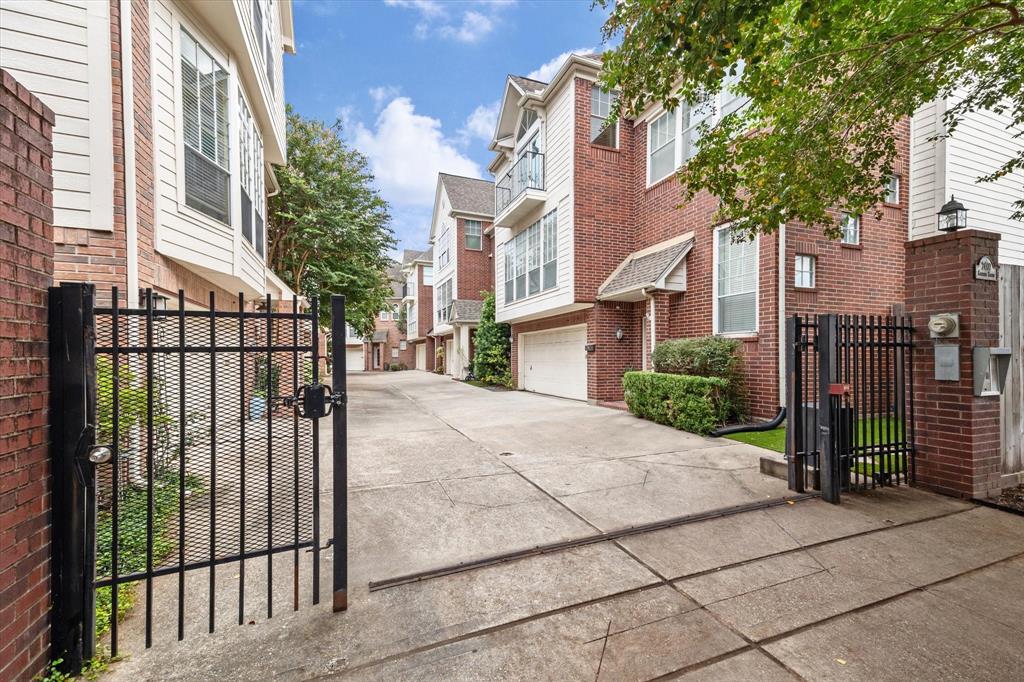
column 421, row 356
column 354, row 359
column 555, row 362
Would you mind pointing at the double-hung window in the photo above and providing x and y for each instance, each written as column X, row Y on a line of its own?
column 444, row 245
column 696, row 117
column 892, row 189
column 661, row 151
column 251, row 172
column 531, row 259
column 601, row 132
column 263, row 30
column 804, row 269
column 443, row 301
column 474, row 230
column 204, row 111
column 428, row 275
column 735, row 285
column 850, row 226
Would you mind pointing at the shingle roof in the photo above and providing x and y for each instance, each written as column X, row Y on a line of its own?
column 466, row 311
column 469, row 195
column 529, row 84
column 643, row 269
column 380, row 336
column 409, row 255
column 397, row 280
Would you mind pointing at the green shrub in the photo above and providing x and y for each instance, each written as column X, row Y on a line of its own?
column 439, row 359
column 688, row 403
column 708, row 356
column 492, row 360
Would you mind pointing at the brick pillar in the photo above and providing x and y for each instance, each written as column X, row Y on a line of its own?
column 26, row 271
column 957, row 432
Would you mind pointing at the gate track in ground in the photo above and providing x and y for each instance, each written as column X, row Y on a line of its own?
column 663, row 581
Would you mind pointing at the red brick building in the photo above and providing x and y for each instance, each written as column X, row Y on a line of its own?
column 462, row 239
column 598, row 260
column 388, row 347
column 418, row 301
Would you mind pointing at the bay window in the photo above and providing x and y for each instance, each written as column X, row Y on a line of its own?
column 531, row 259
column 204, row 111
column 735, row 286
column 250, row 167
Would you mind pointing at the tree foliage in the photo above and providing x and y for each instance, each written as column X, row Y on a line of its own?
column 492, row 359
column 328, row 231
column 827, row 80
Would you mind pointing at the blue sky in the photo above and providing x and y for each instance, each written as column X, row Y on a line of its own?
column 416, row 82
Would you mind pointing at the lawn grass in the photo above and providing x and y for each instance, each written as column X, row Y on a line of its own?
column 872, row 430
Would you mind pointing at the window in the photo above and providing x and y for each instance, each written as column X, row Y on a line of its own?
column 444, row 255
column 403, row 344
column 474, row 228
column 263, row 30
column 850, row 225
column 661, row 147
column 384, row 315
column 601, row 104
column 696, row 117
column 443, row 301
column 892, row 189
column 732, row 100
column 531, row 259
column 428, row 275
column 204, row 110
column 805, row 266
column 251, row 174
column 394, row 353
column 526, row 123
column 395, row 314
column 736, row 284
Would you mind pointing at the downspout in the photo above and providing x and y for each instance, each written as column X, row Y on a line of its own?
column 782, row 314
column 649, row 348
column 131, row 217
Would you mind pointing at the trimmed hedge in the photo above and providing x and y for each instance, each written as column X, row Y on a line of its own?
column 688, row 403
column 707, row 356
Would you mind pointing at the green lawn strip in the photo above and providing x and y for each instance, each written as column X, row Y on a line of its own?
column 871, row 431
column 132, row 540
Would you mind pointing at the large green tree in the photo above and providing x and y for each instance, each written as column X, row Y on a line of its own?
column 827, row 80
column 329, row 230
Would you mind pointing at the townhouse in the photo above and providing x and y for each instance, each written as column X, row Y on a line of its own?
column 388, row 348
column 598, row 259
column 461, row 235
column 418, row 268
column 170, row 116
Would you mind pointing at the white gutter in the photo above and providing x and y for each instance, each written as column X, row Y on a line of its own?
column 131, row 217
column 782, row 314
column 649, row 348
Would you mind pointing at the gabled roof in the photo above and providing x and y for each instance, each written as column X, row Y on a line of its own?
column 380, row 336
column 528, row 85
column 468, row 195
column 464, row 311
column 397, row 280
column 649, row 269
column 410, row 255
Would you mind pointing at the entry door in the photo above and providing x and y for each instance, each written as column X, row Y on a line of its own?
column 421, row 356
column 449, row 356
column 555, row 362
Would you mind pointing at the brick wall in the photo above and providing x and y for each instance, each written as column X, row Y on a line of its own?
column 958, row 446
column 26, row 270
column 424, row 303
column 395, row 338
column 475, row 266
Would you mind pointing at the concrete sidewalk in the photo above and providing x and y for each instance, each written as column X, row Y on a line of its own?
column 894, row 584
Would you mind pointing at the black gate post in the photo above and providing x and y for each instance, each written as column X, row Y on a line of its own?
column 795, row 453
column 72, row 433
column 339, row 414
column 827, row 374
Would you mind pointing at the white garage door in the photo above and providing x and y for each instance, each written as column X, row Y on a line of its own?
column 555, row 362
column 421, row 356
column 354, row 359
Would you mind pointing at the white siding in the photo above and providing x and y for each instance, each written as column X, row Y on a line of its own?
column 61, row 52
column 980, row 144
column 558, row 162
column 449, row 270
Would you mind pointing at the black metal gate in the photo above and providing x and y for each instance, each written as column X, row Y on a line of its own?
column 186, row 440
column 850, row 402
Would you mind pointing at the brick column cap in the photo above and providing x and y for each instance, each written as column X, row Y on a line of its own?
column 970, row 233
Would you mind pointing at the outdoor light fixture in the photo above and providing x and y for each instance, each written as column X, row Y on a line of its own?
column 619, row 334
column 952, row 216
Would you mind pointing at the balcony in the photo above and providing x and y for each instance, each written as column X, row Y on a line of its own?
column 520, row 190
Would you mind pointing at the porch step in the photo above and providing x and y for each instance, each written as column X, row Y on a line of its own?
column 774, row 465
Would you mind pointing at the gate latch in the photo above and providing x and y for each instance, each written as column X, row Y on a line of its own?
column 314, row 401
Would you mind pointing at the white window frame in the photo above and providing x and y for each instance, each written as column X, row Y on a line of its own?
column 443, row 301
column 714, row 288
column 800, row 274
column 182, row 26
column 521, row 259
column 845, row 239
column 892, row 186
column 650, row 152
column 601, row 98
column 444, row 255
column 428, row 275
column 403, row 344
column 478, row 227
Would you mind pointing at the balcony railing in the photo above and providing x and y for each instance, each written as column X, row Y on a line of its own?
column 527, row 173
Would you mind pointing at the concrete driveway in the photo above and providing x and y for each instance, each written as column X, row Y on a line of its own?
column 899, row 584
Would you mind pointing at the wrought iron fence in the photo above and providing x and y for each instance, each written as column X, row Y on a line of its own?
column 527, row 173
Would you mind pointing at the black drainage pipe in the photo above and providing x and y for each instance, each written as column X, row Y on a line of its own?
column 744, row 428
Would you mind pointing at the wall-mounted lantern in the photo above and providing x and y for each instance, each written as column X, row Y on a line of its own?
column 952, row 216
column 619, row 334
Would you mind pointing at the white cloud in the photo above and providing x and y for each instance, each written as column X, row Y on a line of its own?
column 383, row 94
column 406, row 151
column 480, row 123
column 546, row 71
column 444, row 21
